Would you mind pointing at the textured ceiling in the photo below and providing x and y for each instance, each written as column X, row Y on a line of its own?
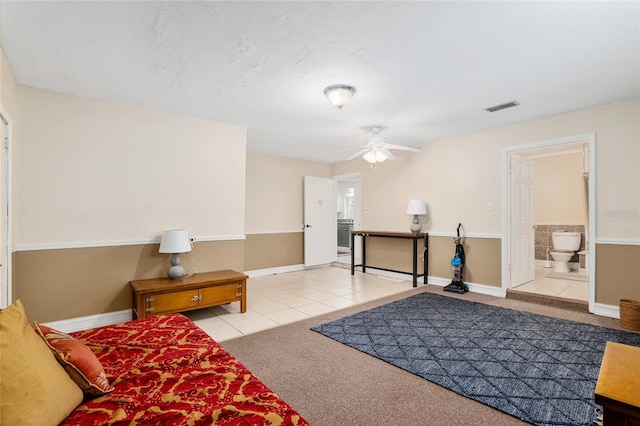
column 423, row 70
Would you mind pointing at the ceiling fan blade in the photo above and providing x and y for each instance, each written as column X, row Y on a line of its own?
column 353, row 147
column 388, row 153
column 357, row 154
column 403, row 147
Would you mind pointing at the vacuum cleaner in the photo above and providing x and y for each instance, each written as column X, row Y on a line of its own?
column 457, row 267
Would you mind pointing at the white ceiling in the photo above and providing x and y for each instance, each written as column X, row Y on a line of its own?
column 423, row 70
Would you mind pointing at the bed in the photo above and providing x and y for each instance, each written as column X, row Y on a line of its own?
column 161, row 370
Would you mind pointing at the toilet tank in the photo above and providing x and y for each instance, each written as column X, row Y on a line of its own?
column 565, row 240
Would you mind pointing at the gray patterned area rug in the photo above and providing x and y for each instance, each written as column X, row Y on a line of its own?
column 539, row 369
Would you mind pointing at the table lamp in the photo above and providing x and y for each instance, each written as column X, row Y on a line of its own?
column 175, row 241
column 416, row 207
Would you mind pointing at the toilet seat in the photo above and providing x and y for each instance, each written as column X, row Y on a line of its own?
column 561, row 251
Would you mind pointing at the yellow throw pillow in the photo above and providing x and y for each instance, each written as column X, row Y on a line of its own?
column 34, row 388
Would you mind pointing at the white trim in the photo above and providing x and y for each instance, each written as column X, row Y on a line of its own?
column 286, row 231
column 606, row 310
column 220, row 238
column 618, row 242
column 473, row 287
column 465, row 235
column 7, row 271
column 91, row 244
column 91, row 321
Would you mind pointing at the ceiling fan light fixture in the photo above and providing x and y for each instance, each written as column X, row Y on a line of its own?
column 339, row 94
column 374, row 156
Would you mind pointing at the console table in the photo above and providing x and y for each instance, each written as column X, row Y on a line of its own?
column 618, row 385
column 403, row 235
column 202, row 290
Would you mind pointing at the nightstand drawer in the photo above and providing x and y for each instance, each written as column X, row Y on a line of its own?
column 220, row 294
column 172, row 302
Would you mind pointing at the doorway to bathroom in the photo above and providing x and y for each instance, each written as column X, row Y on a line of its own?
column 549, row 186
column 348, row 195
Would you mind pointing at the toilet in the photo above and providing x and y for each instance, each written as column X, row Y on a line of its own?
column 565, row 244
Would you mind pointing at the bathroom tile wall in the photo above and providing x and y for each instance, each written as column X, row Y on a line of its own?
column 544, row 242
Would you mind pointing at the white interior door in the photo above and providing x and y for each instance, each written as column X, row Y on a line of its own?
column 522, row 231
column 320, row 225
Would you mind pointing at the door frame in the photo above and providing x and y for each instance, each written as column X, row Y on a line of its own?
column 5, row 217
column 507, row 243
column 356, row 179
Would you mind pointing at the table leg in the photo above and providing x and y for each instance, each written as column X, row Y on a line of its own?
column 426, row 262
column 353, row 253
column 415, row 262
column 364, row 253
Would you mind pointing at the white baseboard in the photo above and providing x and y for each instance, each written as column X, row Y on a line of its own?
column 611, row 311
column 473, row 287
column 91, row 321
column 271, row 271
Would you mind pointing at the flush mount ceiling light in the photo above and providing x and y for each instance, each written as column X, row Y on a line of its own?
column 339, row 94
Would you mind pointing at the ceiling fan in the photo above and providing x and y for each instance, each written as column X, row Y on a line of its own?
column 377, row 150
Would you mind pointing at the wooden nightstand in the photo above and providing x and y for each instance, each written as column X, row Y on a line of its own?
column 163, row 295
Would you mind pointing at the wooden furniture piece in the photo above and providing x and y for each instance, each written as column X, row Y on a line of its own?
column 163, row 295
column 618, row 386
column 404, row 235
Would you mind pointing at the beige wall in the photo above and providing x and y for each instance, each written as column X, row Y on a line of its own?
column 274, row 212
column 264, row 251
column 558, row 187
column 93, row 171
column 96, row 183
column 275, row 192
column 482, row 265
column 69, row 283
column 617, row 273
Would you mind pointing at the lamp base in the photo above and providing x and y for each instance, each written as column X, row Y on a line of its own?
column 416, row 227
column 175, row 270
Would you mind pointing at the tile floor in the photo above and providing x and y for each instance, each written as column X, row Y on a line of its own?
column 279, row 299
column 568, row 289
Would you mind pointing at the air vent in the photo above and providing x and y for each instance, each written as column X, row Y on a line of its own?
column 502, row 106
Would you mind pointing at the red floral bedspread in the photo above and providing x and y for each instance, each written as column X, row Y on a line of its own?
column 167, row 371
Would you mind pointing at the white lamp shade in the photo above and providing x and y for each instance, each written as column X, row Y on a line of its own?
column 416, row 206
column 175, row 241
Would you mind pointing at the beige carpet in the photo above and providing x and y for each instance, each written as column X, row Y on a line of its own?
column 331, row 384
